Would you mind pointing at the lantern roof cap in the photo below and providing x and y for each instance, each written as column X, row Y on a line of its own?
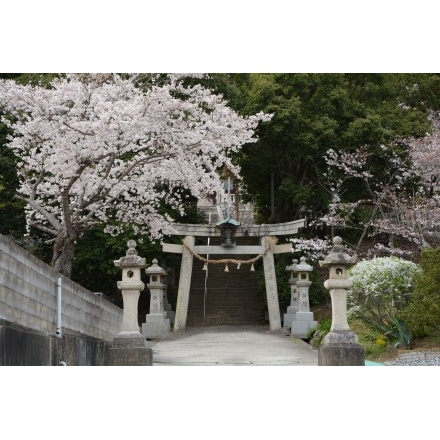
column 131, row 258
column 292, row 266
column 154, row 269
column 303, row 266
column 229, row 221
column 338, row 255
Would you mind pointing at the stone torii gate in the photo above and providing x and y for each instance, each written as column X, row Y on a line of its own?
column 267, row 249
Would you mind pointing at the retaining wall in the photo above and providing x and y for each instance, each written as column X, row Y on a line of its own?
column 28, row 311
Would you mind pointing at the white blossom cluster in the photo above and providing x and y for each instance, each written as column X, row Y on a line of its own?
column 390, row 250
column 351, row 164
column 96, row 145
column 314, row 249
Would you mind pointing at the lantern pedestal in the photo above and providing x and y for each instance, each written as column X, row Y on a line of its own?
column 341, row 348
column 156, row 326
column 302, row 323
column 289, row 316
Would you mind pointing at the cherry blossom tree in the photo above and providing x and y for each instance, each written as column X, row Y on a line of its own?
column 425, row 153
column 113, row 148
column 403, row 197
column 420, row 211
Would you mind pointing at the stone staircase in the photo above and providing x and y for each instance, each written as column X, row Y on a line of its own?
column 231, row 298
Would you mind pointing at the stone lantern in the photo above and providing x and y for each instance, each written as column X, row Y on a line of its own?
column 293, row 308
column 157, row 325
column 129, row 346
column 340, row 346
column 303, row 320
column 130, row 286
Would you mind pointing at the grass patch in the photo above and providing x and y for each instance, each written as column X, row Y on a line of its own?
column 374, row 343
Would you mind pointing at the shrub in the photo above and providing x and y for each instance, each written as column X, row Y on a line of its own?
column 423, row 311
column 382, row 288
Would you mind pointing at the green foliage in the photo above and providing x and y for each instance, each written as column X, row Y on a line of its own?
column 12, row 218
column 423, row 311
column 36, row 79
column 317, row 334
column 318, row 294
column 315, row 112
column 95, row 252
column 400, row 333
column 374, row 342
column 382, row 289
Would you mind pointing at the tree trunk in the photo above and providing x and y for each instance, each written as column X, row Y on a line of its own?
column 63, row 252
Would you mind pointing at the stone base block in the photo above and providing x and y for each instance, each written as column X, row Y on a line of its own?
column 170, row 315
column 130, row 356
column 287, row 319
column 337, row 337
column 156, row 326
column 341, row 348
column 341, row 355
column 304, row 316
column 130, row 349
column 129, row 339
column 301, row 328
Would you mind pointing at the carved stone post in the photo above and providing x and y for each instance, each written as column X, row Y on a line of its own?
column 340, row 346
column 129, row 346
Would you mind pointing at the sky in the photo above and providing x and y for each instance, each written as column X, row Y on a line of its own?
column 227, row 36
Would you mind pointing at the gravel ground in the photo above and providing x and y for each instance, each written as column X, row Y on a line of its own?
column 417, row 359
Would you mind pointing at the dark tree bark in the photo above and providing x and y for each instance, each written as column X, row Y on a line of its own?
column 63, row 253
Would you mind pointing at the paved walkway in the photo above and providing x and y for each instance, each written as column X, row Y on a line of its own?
column 232, row 345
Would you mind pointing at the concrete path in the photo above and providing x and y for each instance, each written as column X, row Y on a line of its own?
column 232, row 345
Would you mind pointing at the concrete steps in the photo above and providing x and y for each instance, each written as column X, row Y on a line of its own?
column 231, row 298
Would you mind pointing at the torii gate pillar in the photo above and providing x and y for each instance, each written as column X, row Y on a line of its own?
column 271, row 284
column 184, row 285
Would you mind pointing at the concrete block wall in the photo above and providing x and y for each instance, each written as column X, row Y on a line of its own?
column 28, row 298
column 24, row 347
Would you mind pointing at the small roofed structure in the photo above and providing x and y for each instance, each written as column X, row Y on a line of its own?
column 227, row 228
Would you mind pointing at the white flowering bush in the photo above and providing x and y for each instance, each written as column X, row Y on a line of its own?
column 382, row 288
